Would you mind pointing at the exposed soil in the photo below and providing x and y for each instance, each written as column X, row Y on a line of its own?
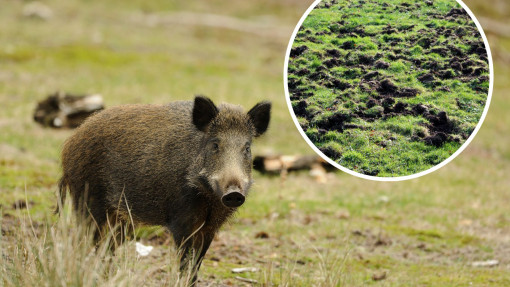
column 334, row 122
column 381, row 65
column 298, row 51
column 387, row 87
column 371, row 75
column 330, row 152
column 426, row 79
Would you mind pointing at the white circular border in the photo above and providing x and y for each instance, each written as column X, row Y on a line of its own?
column 399, row 178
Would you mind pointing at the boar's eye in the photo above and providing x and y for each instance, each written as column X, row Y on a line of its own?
column 247, row 148
column 215, row 147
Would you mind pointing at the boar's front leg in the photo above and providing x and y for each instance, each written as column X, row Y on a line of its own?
column 194, row 252
column 193, row 246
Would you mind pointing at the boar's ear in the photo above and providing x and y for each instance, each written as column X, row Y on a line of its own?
column 260, row 115
column 204, row 111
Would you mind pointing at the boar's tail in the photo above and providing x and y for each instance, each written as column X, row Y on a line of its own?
column 61, row 196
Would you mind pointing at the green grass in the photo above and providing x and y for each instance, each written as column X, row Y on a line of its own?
column 411, row 42
column 431, row 229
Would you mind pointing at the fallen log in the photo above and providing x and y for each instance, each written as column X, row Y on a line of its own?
column 277, row 163
column 282, row 164
column 62, row 110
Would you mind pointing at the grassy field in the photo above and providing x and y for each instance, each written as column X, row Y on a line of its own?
column 345, row 232
column 388, row 94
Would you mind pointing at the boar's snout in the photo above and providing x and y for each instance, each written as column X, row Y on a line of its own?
column 233, row 197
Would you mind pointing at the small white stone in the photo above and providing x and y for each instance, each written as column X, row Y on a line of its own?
column 384, row 199
column 244, row 269
column 143, row 250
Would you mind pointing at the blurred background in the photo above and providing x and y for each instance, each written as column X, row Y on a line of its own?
column 451, row 227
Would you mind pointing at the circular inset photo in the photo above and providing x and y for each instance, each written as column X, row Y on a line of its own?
column 388, row 90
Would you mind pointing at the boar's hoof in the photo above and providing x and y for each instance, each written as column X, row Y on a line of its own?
column 233, row 198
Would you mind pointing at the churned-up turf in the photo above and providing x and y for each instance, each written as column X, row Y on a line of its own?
column 388, row 88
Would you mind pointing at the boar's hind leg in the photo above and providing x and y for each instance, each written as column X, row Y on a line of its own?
column 90, row 206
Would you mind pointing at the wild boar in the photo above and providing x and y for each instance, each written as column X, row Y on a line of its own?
column 184, row 165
